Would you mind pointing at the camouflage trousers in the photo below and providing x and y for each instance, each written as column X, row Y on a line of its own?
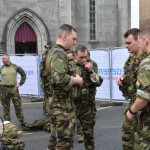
column 128, row 132
column 93, row 105
column 79, row 127
column 62, row 129
column 78, row 124
column 87, row 121
column 142, row 136
column 9, row 94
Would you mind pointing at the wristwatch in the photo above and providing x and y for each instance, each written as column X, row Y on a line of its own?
column 133, row 113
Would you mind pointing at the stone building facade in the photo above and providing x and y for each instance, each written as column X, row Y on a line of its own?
column 144, row 12
column 26, row 26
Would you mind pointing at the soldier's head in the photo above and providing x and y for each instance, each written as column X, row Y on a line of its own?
column 81, row 54
column 70, row 54
column 144, row 39
column 5, row 59
column 66, row 36
column 131, row 41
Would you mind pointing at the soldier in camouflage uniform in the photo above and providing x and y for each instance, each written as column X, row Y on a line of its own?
column 71, row 55
column 127, row 84
column 10, row 88
column 61, row 110
column 84, row 98
column 141, row 106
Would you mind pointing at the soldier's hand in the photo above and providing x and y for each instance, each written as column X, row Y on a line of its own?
column 119, row 80
column 0, row 83
column 130, row 117
column 88, row 66
column 17, row 85
column 78, row 80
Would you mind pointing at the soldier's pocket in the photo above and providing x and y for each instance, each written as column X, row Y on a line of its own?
column 64, row 115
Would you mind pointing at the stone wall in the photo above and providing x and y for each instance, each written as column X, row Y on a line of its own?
column 112, row 19
column 144, row 12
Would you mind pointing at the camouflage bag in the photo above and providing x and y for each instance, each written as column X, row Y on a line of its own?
column 44, row 82
column 43, row 74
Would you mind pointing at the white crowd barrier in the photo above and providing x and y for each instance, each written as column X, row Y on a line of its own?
column 29, row 63
column 110, row 66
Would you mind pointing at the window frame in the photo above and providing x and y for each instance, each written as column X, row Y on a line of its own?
column 93, row 20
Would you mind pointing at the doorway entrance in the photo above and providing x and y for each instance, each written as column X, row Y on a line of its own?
column 25, row 40
column 25, row 47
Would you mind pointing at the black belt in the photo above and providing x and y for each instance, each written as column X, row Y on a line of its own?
column 9, row 86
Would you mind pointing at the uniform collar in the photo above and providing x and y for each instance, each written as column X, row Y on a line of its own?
column 64, row 48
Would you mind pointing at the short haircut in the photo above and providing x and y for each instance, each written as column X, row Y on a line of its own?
column 134, row 32
column 5, row 54
column 81, row 48
column 145, row 30
column 89, row 53
column 65, row 28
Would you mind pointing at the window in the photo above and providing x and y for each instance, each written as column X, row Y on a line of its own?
column 92, row 15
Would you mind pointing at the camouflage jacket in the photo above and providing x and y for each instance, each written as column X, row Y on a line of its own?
column 131, row 68
column 57, row 70
column 18, row 69
column 75, row 88
column 84, row 94
column 143, row 79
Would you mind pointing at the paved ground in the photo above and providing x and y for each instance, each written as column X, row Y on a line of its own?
column 107, row 128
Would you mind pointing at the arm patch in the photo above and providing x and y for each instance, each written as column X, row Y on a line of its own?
column 58, row 66
column 144, row 80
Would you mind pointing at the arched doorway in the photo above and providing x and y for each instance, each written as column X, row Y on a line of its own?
column 25, row 40
column 24, row 15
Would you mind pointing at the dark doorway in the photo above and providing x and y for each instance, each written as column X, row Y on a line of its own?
column 25, row 40
column 25, row 47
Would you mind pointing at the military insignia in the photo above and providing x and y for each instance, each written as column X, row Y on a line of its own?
column 138, row 84
column 144, row 79
column 58, row 65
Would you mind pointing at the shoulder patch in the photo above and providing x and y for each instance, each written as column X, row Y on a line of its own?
column 58, row 65
column 143, row 80
column 138, row 84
